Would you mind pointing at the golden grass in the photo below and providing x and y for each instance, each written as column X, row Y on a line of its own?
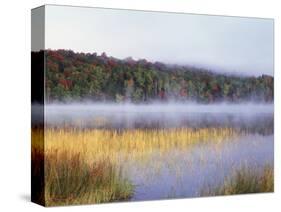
column 98, row 144
column 244, row 181
column 69, row 180
column 84, row 166
column 63, row 177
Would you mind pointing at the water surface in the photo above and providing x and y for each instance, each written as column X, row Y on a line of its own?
column 179, row 172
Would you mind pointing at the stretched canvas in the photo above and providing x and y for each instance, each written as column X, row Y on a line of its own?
column 139, row 105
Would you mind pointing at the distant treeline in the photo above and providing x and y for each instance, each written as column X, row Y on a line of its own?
column 79, row 76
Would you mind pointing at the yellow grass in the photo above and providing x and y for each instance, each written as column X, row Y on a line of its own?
column 99, row 144
column 84, row 166
column 243, row 181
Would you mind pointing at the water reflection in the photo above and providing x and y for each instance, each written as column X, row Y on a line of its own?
column 179, row 172
column 184, row 173
column 254, row 118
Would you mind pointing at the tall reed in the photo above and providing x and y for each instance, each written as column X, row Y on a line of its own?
column 244, row 181
column 70, row 179
column 97, row 144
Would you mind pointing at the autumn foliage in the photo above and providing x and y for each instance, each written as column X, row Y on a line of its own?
column 77, row 76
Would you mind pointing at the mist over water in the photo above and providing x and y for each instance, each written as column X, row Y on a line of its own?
column 159, row 115
column 245, row 108
column 178, row 172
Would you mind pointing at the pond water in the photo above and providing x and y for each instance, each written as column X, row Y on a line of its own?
column 186, row 173
column 180, row 172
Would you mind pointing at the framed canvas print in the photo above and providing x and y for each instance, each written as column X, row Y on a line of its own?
column 140, row 105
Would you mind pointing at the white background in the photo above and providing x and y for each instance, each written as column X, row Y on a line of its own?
column 15, row 104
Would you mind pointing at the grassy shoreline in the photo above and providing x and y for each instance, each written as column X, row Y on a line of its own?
column 100, row 144
column 69, row 180
column 245, row 180
column 83, row 166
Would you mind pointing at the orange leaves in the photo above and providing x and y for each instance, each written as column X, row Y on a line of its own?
column 56, row 56
column 65, row 83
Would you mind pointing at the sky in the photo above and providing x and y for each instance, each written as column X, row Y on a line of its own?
column 221, row 43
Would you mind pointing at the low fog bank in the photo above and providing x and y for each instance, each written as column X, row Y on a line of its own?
column 188, row 107
column 158, row 115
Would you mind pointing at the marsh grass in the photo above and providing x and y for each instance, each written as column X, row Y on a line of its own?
column 85, row 166
column 69, row 180
column 98, row 144
column 62, row 177
column 245, row 180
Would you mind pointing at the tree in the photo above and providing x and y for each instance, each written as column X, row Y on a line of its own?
column 75, row 76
